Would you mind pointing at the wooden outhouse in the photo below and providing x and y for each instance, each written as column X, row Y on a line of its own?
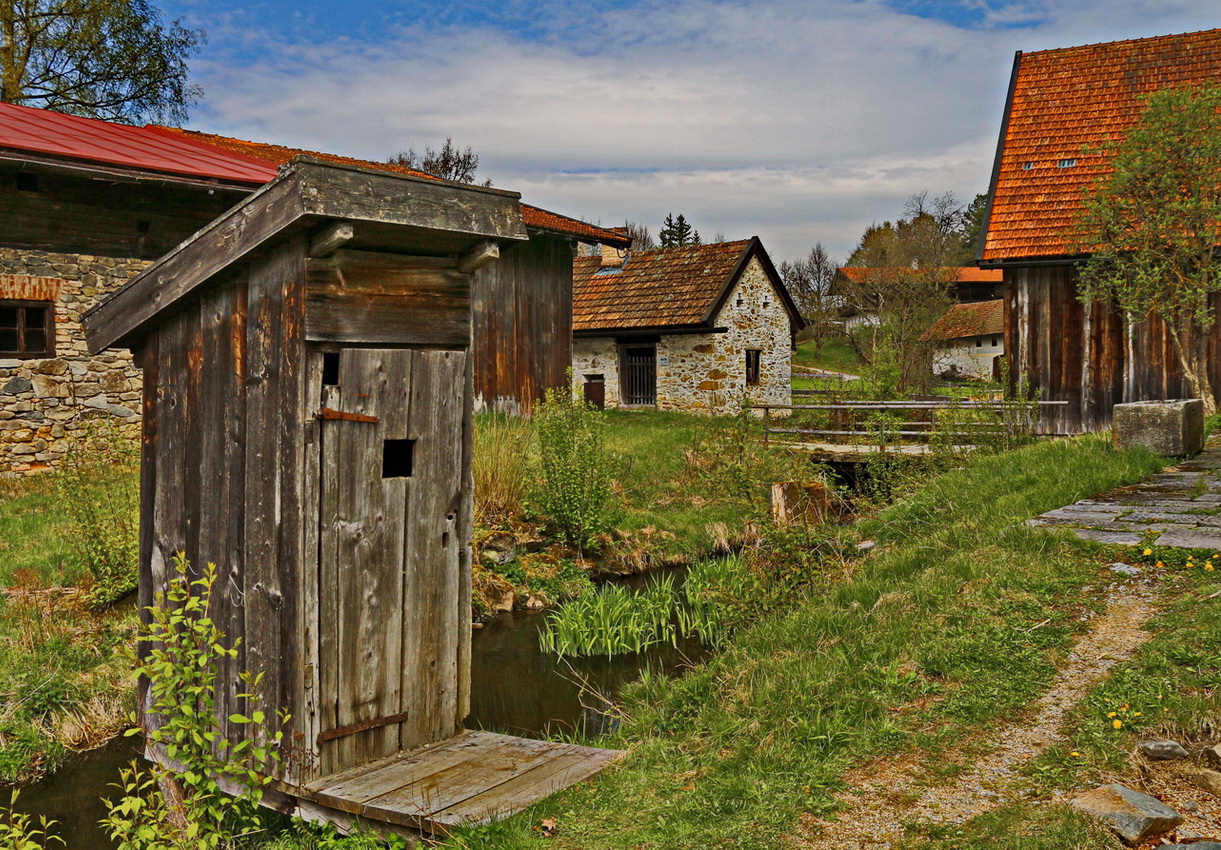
column 307, row 427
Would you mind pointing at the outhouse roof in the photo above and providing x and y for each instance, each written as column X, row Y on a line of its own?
column 983, row 318
column 1062, row 105
column 665, row 288
column 386, row 212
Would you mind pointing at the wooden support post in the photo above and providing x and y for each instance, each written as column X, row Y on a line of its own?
column 478, row 257
column 332, row 239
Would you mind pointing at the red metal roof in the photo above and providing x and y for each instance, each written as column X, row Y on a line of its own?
column 1064, row 103
column 54, row 134
column 279, row 155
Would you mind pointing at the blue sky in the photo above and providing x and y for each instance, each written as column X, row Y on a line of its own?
column 794, row 120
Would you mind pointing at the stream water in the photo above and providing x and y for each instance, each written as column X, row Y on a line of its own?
column 516, row 688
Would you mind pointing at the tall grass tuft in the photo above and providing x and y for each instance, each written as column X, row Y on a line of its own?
column 99, row 486
column 614, row 621
column 501, row 467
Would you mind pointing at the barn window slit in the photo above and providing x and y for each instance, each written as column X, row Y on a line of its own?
column 397, row 457
column 27, row 182
column 330, row 368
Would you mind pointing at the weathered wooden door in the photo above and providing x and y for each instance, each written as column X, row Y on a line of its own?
column 639, row 375
column 390, row 543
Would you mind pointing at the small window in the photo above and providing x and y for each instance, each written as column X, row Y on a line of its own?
column 330, row 368
column 1066, row 163
column 397, row 458
column 995, row 343
column 143, row 227
column 741, row 302
column 27, row 329
column 27, row 182
column 754, row 358
column 979, row 343
column 1026, row 166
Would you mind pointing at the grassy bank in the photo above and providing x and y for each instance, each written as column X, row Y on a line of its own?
column 64, row 684
column 953, row 622
column 834, row 355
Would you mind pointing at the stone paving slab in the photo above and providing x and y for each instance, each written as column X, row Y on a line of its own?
column 1162, row 503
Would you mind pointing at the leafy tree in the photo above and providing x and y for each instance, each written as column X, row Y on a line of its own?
column 973, row 220
column 676, row 232
column 1153, row 224
column 109, row 59
column 448, row 163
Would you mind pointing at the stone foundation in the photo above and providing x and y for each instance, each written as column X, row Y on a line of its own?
column 44, row 402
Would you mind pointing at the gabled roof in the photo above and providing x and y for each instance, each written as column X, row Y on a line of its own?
column 53, row 134
column 1061, row 103
column 667, row 288
column 983, row 318
column 278, row 155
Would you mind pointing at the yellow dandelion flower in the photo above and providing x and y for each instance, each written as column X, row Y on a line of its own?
column 1074, row 753
column 1208, row 568
column 1160, row 565
column 1111, row 714
column 1117, row 723
column 1136, row 714
column 1148, row 551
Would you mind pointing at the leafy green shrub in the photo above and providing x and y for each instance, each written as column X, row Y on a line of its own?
column 98, row 483
column 21, row 832
column 182, row 666
column 573, row 491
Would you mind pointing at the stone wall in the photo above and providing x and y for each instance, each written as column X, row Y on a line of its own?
column 706, row 373
column 970, row 356
column 45, row 402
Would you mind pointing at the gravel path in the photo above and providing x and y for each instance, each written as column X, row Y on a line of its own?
column 887, row 793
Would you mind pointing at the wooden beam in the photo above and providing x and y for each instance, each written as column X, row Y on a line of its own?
column 478, row 257
column 332, row 238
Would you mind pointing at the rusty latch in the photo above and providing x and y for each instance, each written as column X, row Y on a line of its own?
column 343, row 415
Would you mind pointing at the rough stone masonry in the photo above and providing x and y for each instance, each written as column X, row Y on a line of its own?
column 45, row 401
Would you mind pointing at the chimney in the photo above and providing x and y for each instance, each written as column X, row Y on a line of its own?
column 614, row 257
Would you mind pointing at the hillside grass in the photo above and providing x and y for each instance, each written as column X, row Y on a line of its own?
column 929, row 637
column 834, row 355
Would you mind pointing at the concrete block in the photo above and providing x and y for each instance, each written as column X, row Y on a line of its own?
column 1169, row 427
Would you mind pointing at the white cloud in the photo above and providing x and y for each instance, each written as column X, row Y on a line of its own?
column 796, row 121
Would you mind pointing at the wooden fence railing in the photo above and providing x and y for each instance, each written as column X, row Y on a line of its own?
column 1022, row 415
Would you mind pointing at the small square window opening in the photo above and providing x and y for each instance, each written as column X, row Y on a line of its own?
column 330, row 368
column 398, row 457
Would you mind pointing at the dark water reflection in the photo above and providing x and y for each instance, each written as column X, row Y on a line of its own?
column 516, row 688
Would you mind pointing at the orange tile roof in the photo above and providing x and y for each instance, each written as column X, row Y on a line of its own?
column 654, row 289
column 982, row 318
column 965, row 274
column 1062, row 103
column 279, row 155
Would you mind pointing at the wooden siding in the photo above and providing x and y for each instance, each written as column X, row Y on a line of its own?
column 223, row 447
column 1086, row 354
column 107, row 218
column 523, row 324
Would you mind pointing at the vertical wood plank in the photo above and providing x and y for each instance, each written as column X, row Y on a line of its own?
column 310, row 611
column 148, row 493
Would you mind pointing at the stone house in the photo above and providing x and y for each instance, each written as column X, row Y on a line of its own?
column 699, row 328
column 85, row 205
column 970, row 339
column 1062, row 105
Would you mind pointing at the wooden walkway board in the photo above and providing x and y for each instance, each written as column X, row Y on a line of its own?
column 471, row 778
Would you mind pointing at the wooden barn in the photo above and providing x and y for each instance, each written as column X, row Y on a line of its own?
column 1061, row 105
column 523, row 304
column 308, row 410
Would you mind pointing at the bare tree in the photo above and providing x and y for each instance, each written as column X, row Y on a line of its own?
column 809, row 281
column 448, row 163
column 642, row 240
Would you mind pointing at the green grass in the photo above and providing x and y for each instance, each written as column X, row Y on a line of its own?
column 835, row 355
column 923, row 641
column 63, row 681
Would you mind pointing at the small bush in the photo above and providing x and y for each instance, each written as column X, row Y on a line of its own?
column 573, row 490
column 501, row 467
column 98, row 483
column 23, row 832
